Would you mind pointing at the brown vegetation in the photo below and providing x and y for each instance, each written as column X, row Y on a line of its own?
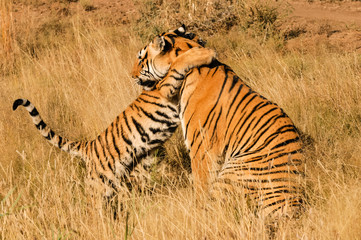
column 72, row 59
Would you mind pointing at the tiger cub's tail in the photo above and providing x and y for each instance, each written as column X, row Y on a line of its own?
column 74, row 148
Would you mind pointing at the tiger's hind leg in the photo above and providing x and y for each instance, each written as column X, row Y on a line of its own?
column 278, row 199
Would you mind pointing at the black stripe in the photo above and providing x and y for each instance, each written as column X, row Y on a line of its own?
column 139, row 99
column 235, row 80
column 278, row 208
column 34, row 112
column 126, row 140
column 162, row 114
column 266, row 180
column 149, row 115
column 41, row 125
column 172, row 109
column 141, row 131
column 111, row 167
column 102, row 151
column 94, row 149
column 177, row 51
column 193, row 137
column 236, row 96
column 277, row 192
column 176, row 71
column 215, row 124
column 27, row 103
column 263, row 198
column 171, row 37
column 187, row 103
column 148, row 95
column 181, row 77
column 172, row 129
column 186, row 130
column 256, row 188
column 156, row 141
column 50, row 135
column 189, row 45
column 155, row 130
column 147, row 64
column 241, row 168
column 113, row 138
column 215, row 70
column 108, row 181
column 280, row 155
column 78, row 146
column 108, row 144
column 274, row 203
column 117, row 122
column 269, row 172
column 60, row 141
column 286, row 142
column 126, row 122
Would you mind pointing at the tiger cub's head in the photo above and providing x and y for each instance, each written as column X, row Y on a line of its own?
column 154, row 60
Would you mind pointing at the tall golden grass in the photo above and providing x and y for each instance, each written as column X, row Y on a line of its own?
column 80, row 82
column 5, row 25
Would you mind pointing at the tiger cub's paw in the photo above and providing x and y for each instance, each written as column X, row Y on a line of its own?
column 195, row 57
column 199, row 56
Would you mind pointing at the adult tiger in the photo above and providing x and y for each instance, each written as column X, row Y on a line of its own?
column 235, row 136
column 145, row 124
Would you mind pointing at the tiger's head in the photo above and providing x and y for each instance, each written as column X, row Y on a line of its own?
column 154, row 60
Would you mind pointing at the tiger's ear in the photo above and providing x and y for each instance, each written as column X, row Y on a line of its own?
column 181, row 30
column 159, row 43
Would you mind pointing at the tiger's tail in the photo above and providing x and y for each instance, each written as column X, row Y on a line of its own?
column 71, row 147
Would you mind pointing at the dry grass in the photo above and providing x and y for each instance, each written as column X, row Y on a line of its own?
column 80, row 82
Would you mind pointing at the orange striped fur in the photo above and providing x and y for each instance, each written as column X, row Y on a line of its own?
column 144, row 125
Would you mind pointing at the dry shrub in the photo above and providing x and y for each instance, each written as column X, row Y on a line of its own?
column 211, row 17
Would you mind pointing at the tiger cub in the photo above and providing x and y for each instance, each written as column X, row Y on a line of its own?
column 144, row 125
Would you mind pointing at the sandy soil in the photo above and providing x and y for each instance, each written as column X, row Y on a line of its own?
column 334, row 24
column 347, row 12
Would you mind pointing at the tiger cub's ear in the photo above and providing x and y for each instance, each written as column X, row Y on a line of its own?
column 159, row 43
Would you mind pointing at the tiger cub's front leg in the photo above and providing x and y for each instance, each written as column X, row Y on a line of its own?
column 195, row 57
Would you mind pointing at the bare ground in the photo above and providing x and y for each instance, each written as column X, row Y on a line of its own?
column 337, row 25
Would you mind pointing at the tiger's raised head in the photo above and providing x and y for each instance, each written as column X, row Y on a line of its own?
column 154, row 60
